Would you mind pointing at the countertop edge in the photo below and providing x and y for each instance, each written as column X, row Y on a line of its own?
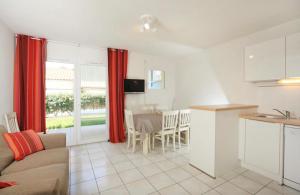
column 223, row 107
column 292, row 122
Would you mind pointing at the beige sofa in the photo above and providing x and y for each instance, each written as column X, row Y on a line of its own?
column 45, row 172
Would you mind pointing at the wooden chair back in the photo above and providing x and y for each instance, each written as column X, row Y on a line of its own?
column 129, row 121
column 11, row 122
column 184, row 118
column 170, row 120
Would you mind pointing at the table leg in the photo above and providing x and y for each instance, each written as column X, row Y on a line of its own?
column 145, row 144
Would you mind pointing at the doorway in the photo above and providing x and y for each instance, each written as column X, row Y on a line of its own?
column 76, row 101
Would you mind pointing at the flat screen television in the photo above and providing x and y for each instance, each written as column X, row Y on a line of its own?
column 134, row 86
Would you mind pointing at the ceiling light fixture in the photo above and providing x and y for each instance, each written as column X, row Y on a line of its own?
column 148, row 23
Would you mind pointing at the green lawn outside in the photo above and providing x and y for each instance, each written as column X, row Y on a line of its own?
column 68, row 121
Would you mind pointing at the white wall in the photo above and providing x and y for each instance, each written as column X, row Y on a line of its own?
column 6, row 70
column 216, row 75
column 138, row 66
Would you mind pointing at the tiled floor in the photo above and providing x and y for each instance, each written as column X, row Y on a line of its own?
column 112, row 169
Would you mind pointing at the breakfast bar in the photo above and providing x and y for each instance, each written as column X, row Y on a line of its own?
column 214, row 137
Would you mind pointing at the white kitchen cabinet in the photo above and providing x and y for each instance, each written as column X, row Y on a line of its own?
column 214, row 138
column 293, row 55
column 292, row 157
column 265, row 61
column 263, row 148
column 242, row 132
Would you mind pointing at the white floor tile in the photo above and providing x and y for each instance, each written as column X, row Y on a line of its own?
column 118, row 158
column 166, row 165
column 194, row 186
column 230, row 189
column 138, row 162
column 160, row 180
column 230, row 175
column 257, row 177
column 180, row 161
column 283, row 189
column 173, row 190
column 267, row 191
column 108, row 182
column 85, row 188
column 123, row 166
column 81, row 176
column 104, row 170
column 210, row 181
column 131, row 176
column 178, row 174
column 121, row 190
column 140, row 187
column 246, row 184
column 99, row 162
column 212, row 192
column 149, row 170
column 74, row 167
column 192, row 170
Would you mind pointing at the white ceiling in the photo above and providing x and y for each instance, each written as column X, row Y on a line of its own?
column 184, row 24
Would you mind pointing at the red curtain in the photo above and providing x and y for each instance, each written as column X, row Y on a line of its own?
column 117, row 71
column 29, row 83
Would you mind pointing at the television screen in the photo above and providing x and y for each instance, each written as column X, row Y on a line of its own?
column 134, row 85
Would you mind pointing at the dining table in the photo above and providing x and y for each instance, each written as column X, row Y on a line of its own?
column 146, row 124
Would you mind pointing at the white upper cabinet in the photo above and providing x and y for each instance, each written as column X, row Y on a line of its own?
column 293, row 55
column 265, row 61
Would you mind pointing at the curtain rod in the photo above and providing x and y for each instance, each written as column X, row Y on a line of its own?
column 31, row 37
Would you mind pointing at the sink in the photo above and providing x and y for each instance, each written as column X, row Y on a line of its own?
column 270, row 116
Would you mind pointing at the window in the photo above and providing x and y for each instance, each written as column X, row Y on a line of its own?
column 156, row 79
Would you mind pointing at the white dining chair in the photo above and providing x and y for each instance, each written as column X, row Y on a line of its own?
column 131, row 132
column 184, row 125
column 11, row 122
column 169, row 125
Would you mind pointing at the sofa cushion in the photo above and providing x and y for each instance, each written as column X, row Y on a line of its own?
column 35, row 176
column 5, row 184
column 39, row 159
column 23, row 143
column 6, row 156
column 42, row 187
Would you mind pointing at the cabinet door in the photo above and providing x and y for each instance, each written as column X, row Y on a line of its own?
column 292, row 154
column 265, row 61
column 262, row 147
column 293, row 55
column 242, row 135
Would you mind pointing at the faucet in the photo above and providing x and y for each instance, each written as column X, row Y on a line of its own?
column 287, row 113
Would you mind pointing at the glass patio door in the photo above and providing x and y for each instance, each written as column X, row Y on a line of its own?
column 92, row 97
column 76, row 101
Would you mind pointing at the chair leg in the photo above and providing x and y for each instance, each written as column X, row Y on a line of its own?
column 188, row 138
column 179, row 139
column 174, row 144
column 133, row 143
column 163, row 143
column 149, row 142
column 168, row 140
column 128, row 139
column 153, row 141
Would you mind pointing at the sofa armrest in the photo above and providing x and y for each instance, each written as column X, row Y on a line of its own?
column 44, row 187
column 55, row 140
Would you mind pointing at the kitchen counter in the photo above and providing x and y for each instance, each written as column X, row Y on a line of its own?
column 214, row 137
column 223, row 107
column 255, row 116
